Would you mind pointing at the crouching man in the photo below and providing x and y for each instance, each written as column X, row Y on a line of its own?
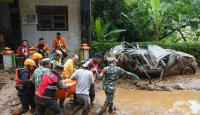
column 44, row 95
column 84, row 79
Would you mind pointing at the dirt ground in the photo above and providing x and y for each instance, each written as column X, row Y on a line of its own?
column 9, row 101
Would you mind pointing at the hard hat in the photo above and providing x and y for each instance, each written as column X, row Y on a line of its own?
column 37, row 55
column 29, row 62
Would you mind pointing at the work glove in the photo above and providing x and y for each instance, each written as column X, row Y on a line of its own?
column 136, row 77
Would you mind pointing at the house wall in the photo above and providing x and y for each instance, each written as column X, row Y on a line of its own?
column 72, row 36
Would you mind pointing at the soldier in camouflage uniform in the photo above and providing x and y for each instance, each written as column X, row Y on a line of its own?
column 111, row 74
column 38, row 73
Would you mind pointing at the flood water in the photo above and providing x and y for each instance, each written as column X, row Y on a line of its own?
column 187, row 102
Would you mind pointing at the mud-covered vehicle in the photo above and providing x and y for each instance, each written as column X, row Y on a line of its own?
column 152, row 59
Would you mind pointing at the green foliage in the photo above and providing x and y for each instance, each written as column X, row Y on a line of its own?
column 141, row 23
column 101, row 33
column 162, row 18
column 192, row 48
column 155, row 4
column 158, row 13
column 107, row 9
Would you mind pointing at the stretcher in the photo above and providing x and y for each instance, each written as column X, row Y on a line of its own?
column 62, row 94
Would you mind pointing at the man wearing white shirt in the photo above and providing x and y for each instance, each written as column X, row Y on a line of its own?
column 84, row 79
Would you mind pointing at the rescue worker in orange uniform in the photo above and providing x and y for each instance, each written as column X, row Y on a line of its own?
column 59, row 43
column 26, row 88
column 42, row 47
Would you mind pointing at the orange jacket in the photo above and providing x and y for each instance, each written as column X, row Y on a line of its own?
column 45, row 45
column 59, row 44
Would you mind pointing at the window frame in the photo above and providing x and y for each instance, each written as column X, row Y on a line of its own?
column 39, row 28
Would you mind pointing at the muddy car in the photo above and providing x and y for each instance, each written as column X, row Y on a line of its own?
column 152, row 59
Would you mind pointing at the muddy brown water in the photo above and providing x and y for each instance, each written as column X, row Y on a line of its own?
column 186, row 102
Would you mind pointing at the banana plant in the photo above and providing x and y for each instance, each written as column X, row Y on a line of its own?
column 158, row 13
column 100, row 33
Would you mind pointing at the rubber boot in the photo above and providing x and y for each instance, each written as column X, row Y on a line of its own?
column 16, row 113
column 104, row 108
column 75, row 110
column 110, row 110
column 33, row 110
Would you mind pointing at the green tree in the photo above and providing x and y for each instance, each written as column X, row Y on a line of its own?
column 141, row 23
column 171, row 17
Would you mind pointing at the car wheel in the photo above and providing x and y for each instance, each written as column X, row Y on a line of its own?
column 187, row 71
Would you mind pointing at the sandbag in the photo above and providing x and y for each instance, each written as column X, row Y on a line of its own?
column 62, row 94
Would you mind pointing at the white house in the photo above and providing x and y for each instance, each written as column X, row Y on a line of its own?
column 33, row 19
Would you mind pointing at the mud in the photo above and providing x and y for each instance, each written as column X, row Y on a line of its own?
column 5, row 77
column 170, row 101
column 170, row 83
column 9, row 100
column 167, row 96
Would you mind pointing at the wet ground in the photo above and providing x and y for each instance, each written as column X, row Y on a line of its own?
column 186, row 102
column 174, row 95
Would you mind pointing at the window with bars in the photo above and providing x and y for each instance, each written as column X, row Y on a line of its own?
column 52, row 18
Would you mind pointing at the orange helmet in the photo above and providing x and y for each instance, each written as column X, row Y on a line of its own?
column 29, row 62
column 37, row 55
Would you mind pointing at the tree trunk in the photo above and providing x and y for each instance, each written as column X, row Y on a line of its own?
column 157, row 34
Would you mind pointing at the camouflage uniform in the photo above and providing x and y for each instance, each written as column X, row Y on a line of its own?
column 37, row 78
column 111, row 74
column 38, row 74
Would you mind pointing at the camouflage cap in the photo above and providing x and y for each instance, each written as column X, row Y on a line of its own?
column 112, row 59
column 59, row 54
column 45, row 61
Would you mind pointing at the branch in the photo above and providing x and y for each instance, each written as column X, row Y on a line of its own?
column 178, row 39
column 172, row 31
column 179, row 30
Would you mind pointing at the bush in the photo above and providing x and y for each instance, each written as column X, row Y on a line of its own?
column 190, row 48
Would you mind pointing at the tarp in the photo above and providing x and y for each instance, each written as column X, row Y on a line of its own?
column 10, row 1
